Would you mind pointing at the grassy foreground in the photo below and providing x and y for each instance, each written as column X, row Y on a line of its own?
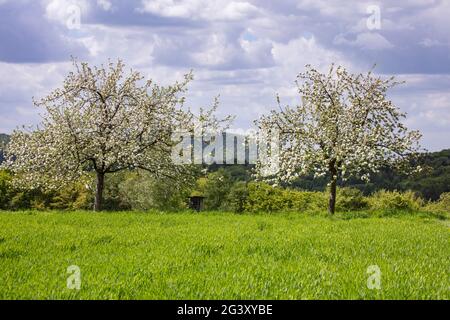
column 221, row 256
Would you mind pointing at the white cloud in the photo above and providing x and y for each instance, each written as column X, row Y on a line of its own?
column 427, row 104
column 134, row 46
column 217, row 51
column 19, row 83
column 301, row 51
column 62, row 10
column 343, row 9
column 237, row 10
column 105, row 4
column 366, row 40
column 199, row 9
column 428, row 43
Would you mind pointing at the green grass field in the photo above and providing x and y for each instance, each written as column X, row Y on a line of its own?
column 221, row 256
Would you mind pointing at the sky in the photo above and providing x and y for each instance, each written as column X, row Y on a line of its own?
column 245, row 51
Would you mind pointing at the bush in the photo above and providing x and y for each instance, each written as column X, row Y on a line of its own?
column 215, row 189
column 76, row 196
column 127, row 190
column 169, row 197
column 261, row 197
column 350, row 199
column 264, row 197
column 31, row 199
column 440, row 206
column 5, row 189
column 73, row 197
column 390, row 201
column 139, row 190
column 444, row 201
column 237, row 197
column 301, row 201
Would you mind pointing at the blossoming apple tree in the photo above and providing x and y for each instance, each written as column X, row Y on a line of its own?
column 102, row 120
column 345, row 126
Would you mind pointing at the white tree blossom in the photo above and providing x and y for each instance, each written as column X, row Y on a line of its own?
column 345, row 126
column 103, row 120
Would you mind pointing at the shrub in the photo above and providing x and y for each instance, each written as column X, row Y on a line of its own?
column 31, row 199
column 305, row 200
column 264, row 197
column 76, row 196
column 440, row 206
column 135, row 190
column 5, row 189
column 237, row 197
column 215, row 189
column 444, row 201
column 167, row 197
column 139, row 190
column 114, row 198
column 393, row 200
column 350, row 199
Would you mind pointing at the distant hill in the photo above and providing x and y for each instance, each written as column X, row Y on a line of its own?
column 4, row 139
column 434, row 180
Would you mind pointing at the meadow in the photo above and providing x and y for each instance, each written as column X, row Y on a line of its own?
column 133, row 255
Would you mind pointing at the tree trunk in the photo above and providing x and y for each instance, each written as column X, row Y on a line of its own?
column 98, row 206
column 332, row 202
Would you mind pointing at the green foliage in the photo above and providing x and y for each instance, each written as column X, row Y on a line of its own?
column 302, row 201
column 237, row 197
column 113, row 197
column 350, row 199
column 76, row 196
column 220, row 256
column 441, row 206
column 166, row 197
column 134, row 190
column 224, row 188
column 237, row 172
column 30, row 199
column 263, row 197
column 5, row 189
column 216, row 187
column 444, row 201
column 389, row 201
column 129, row 190
column 434, row 179
column 139, row 190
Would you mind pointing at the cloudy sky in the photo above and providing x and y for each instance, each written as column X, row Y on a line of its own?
column 246, row 51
